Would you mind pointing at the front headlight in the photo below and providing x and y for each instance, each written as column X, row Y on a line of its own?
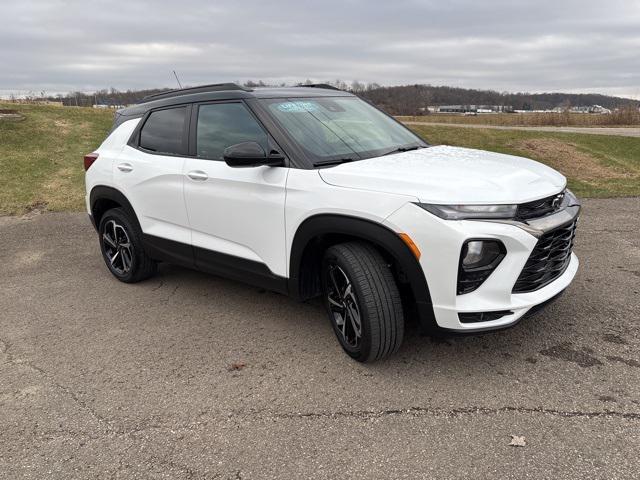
column 462, row 212
column 570, row 197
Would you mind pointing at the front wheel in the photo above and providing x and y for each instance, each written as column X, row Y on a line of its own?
column 362, row 300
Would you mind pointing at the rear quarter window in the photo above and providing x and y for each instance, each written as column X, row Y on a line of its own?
column 163, row 131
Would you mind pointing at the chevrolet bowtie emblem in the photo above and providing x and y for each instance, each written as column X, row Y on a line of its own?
column 556, row 202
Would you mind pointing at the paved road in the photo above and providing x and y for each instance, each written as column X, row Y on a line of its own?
column 99, row 379
column 616, row 131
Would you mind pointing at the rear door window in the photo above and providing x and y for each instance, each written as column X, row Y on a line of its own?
column 164, row 131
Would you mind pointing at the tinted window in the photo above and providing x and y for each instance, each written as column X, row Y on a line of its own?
column 224, row 124
column 163, row 130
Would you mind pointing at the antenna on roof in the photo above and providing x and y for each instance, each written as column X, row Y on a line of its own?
column 177, row 79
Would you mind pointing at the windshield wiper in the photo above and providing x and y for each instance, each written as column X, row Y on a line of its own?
column 402, row 149
column 334, row 161
column 337, row 161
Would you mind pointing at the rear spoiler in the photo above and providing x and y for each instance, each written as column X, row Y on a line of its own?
column 120, row 117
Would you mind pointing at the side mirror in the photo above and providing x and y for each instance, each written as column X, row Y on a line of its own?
column 250, row 154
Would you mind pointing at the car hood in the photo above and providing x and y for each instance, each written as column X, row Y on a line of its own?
column 452, row 175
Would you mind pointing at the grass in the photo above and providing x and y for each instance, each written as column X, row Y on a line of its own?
column 41, row 156
column 622, row 118
column 595, row 165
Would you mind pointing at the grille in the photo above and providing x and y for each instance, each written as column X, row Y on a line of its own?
column 539, row 208
column 548, row 260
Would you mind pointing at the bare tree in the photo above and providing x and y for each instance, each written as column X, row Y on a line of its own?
column 357, row 87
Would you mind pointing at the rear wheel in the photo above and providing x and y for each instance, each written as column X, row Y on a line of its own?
column 362, row 300
column 122, row 248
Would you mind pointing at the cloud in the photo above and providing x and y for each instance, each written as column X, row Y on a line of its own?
column 568, row 45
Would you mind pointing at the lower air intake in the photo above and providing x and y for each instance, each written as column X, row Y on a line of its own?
column 475, row 317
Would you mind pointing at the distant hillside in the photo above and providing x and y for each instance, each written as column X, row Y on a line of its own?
column 408, row 99
column 401, row 100
column 105, row 97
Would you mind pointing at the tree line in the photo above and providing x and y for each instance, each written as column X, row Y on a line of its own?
column 396, row 100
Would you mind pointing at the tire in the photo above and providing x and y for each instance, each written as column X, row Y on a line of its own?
column 122, row 247
column 373, row 295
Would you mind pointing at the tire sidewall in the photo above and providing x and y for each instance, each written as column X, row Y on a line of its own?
column 362, row 352
column 121, row 218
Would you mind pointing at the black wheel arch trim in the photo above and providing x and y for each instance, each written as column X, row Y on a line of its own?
column 316, row 226
column 102, row 192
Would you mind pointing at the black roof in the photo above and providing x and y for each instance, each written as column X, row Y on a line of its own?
column 227, row 91
column 214, row 87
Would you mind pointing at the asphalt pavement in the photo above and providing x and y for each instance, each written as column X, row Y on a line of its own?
column 193, row 376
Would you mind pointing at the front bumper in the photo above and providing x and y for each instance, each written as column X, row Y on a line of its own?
column 440, row 242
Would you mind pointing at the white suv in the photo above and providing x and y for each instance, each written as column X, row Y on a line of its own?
column 313, row 192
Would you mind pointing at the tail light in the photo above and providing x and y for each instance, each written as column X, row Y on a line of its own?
column 89, row 159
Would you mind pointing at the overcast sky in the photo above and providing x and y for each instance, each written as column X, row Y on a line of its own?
column 512, row 45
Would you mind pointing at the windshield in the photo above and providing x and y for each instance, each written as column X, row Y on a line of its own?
column 334, row 129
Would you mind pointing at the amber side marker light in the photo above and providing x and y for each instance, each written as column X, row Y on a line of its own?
column 412, row 246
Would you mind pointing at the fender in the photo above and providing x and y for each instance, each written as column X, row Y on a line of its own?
column 102, row 193
column 317, row 227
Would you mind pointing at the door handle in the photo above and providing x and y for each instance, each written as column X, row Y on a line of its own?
column 125, row 167
column 198, row 175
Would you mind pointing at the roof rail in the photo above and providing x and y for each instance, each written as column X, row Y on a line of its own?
column 319, row 85
column 214, row 87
